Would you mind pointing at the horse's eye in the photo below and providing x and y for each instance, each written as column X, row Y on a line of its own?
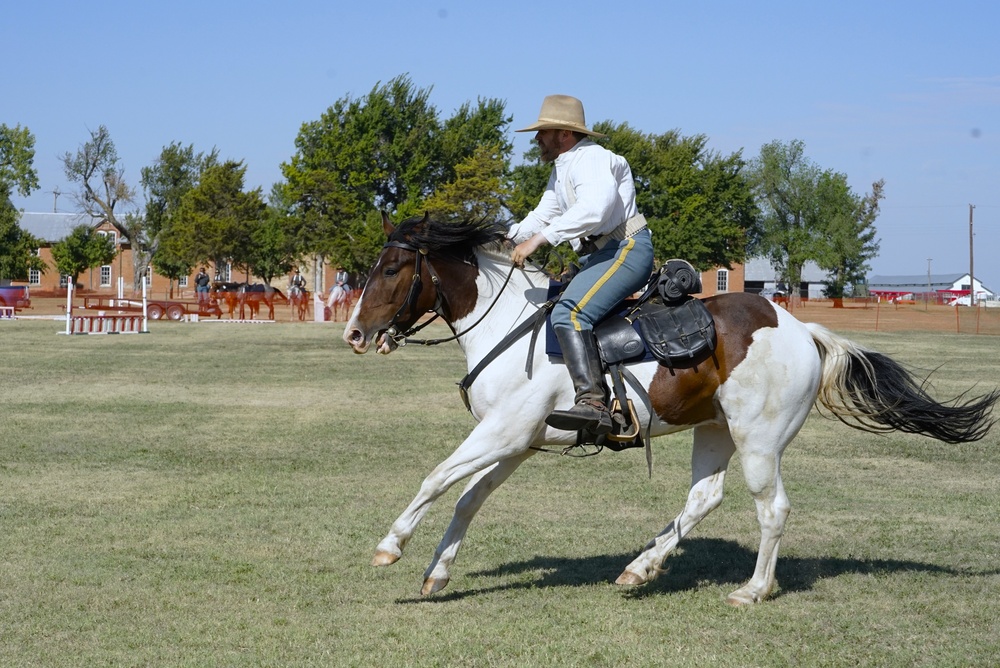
column 389, row 271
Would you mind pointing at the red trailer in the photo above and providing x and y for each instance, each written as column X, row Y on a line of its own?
column 156, row 309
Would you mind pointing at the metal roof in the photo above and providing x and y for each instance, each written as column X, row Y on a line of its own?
column 760, row 269
column 52, row 227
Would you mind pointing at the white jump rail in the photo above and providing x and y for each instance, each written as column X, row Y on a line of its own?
column 103, row 323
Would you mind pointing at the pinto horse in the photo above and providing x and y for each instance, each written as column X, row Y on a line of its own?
column 339, row 302
column 769, row 370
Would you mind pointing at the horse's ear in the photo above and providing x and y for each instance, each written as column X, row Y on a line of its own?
column 387, row 225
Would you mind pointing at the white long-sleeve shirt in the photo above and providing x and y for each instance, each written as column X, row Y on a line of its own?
column 590, row 193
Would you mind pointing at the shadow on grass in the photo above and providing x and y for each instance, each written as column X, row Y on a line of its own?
column 698, row 562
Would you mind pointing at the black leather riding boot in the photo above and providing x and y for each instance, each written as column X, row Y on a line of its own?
column 583, row 362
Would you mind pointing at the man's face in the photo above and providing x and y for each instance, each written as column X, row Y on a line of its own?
column 550, row 143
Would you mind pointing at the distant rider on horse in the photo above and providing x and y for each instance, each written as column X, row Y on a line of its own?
column 297, row 285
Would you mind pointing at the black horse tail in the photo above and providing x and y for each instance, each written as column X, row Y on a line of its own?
column 870, row 391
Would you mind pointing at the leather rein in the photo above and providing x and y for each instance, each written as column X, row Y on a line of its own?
column 532, row 324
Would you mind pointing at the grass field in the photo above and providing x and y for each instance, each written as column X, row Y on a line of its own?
column 211, row 494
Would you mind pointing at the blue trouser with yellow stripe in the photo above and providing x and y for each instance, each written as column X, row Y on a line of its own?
column 607, row 277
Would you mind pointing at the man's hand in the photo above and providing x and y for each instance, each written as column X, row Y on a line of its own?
column 526, row 248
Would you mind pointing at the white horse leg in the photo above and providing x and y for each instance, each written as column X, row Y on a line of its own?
column 489, row 443
column 710, row 455
column 763, row 475
column 480, row 487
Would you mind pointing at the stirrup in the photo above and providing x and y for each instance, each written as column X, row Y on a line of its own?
column 632, row 420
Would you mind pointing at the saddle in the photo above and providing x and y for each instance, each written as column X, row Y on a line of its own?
column 665, row 324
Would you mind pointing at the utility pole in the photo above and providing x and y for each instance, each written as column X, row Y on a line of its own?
column 927, row 294
column 972, row 276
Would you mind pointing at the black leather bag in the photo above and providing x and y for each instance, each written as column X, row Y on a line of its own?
column 680, row 335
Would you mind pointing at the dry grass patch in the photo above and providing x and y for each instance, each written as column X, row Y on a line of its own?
column 210, row 495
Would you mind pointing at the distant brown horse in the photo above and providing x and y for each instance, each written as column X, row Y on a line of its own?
column 227, row 293
column 298, row 299
column 252, row 295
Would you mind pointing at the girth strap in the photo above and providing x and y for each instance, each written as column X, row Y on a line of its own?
column 644, row 398
column 534, row 323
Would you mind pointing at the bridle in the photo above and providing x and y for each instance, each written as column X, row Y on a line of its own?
column 409, row 305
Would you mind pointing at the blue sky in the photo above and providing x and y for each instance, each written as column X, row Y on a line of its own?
column 905, row 91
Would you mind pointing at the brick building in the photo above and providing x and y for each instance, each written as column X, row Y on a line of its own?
column 52, row 227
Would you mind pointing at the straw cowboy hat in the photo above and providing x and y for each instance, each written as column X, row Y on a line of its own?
column 561, row 112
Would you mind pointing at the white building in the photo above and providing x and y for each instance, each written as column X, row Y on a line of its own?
column 945, row 286
column 760, row 276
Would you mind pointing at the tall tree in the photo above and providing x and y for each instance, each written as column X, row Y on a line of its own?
column 17, row 157
column 785, row 184
column 214, row 220
column 471, row 130
column 82, row 249
column 381, row 148
column 104, row 192
column 811, row 214
column 386, row 150
column 271, row 252
column 698, row 203
column 98, row 170
column 847, row 225
column 17, row 173
column 478, row 191
column 175, row 172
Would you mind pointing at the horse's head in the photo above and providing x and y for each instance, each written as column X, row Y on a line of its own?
column 425, row 266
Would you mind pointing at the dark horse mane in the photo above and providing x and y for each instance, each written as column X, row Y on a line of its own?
column 456, row 238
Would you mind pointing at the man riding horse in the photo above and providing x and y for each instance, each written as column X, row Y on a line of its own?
column 590, row 202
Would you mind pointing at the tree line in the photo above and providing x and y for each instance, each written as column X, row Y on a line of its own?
column 392, row 150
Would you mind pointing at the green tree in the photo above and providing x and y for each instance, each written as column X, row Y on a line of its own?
column 17, row 173
column 785, row 184
column 812, row 214
column 478, row 191
column 473, row 130
column 214, row 220
column 82, row 249
column 176, row 171
column 271, row 252
column 17, row 157
column 387, row 150
column 847, row 226
column 17, row 248
column 528, row 181
column 698, row 204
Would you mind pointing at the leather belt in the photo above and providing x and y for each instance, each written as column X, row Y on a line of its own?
column 626, row 230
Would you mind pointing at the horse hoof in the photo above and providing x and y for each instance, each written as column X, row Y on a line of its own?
column 433, row 586
column 383, row 558
column 629, row 578
column 740, row 598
